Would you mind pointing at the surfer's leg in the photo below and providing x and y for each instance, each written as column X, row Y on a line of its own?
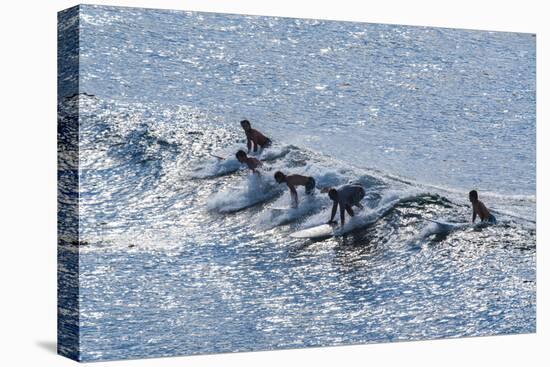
column 350, row 210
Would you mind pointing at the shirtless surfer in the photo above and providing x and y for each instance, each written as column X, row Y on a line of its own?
column 255, row 137
column 252, row 163
column 296, row 180
column 478, row 208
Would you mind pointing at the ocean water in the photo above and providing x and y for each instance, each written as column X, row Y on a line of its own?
column 179, row 251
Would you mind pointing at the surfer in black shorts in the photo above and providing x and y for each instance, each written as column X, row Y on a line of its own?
column 345, row 196
column 255, row 137
column 296, row 180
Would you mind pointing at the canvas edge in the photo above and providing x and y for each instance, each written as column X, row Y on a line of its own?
column 68, row 65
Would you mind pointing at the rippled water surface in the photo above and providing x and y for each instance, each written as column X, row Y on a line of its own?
column 180, row 252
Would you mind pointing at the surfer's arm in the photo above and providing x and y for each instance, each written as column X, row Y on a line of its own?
column 294, row 196
column 474, row 216
column 254, row 167
column 334, row 207
column 253, row 164
column 248, row 142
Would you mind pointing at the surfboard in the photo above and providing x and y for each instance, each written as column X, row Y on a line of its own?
column 218, row 157
column 320, row 231
column 281, row 208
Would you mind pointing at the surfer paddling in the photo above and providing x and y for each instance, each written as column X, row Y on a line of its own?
column 296, row 180
column 254, row 137
column 478, row 208
column 345, row 196
column 251, row 163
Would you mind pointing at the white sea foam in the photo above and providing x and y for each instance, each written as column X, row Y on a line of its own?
column 307, row 205
column 215, row 167
column 440, row 227
column 273, row 153
column 254, row 190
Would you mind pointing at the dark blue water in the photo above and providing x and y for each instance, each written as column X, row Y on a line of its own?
column 180, row 252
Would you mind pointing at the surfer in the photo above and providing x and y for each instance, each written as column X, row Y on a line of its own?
column 480, row 209
column 296, row 180
column 251, row 162
column 345, row 196
column 255, row 137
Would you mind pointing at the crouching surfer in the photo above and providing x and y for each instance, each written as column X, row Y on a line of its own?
column 296, row 180
column 478, row 208
column 345, row 196
column 251, row 163
column 254, row 137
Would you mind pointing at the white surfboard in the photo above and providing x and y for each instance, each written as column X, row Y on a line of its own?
column 281, row 208
column 323, row 230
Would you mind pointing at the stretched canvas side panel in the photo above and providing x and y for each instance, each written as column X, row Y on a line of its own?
column 68, row 330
